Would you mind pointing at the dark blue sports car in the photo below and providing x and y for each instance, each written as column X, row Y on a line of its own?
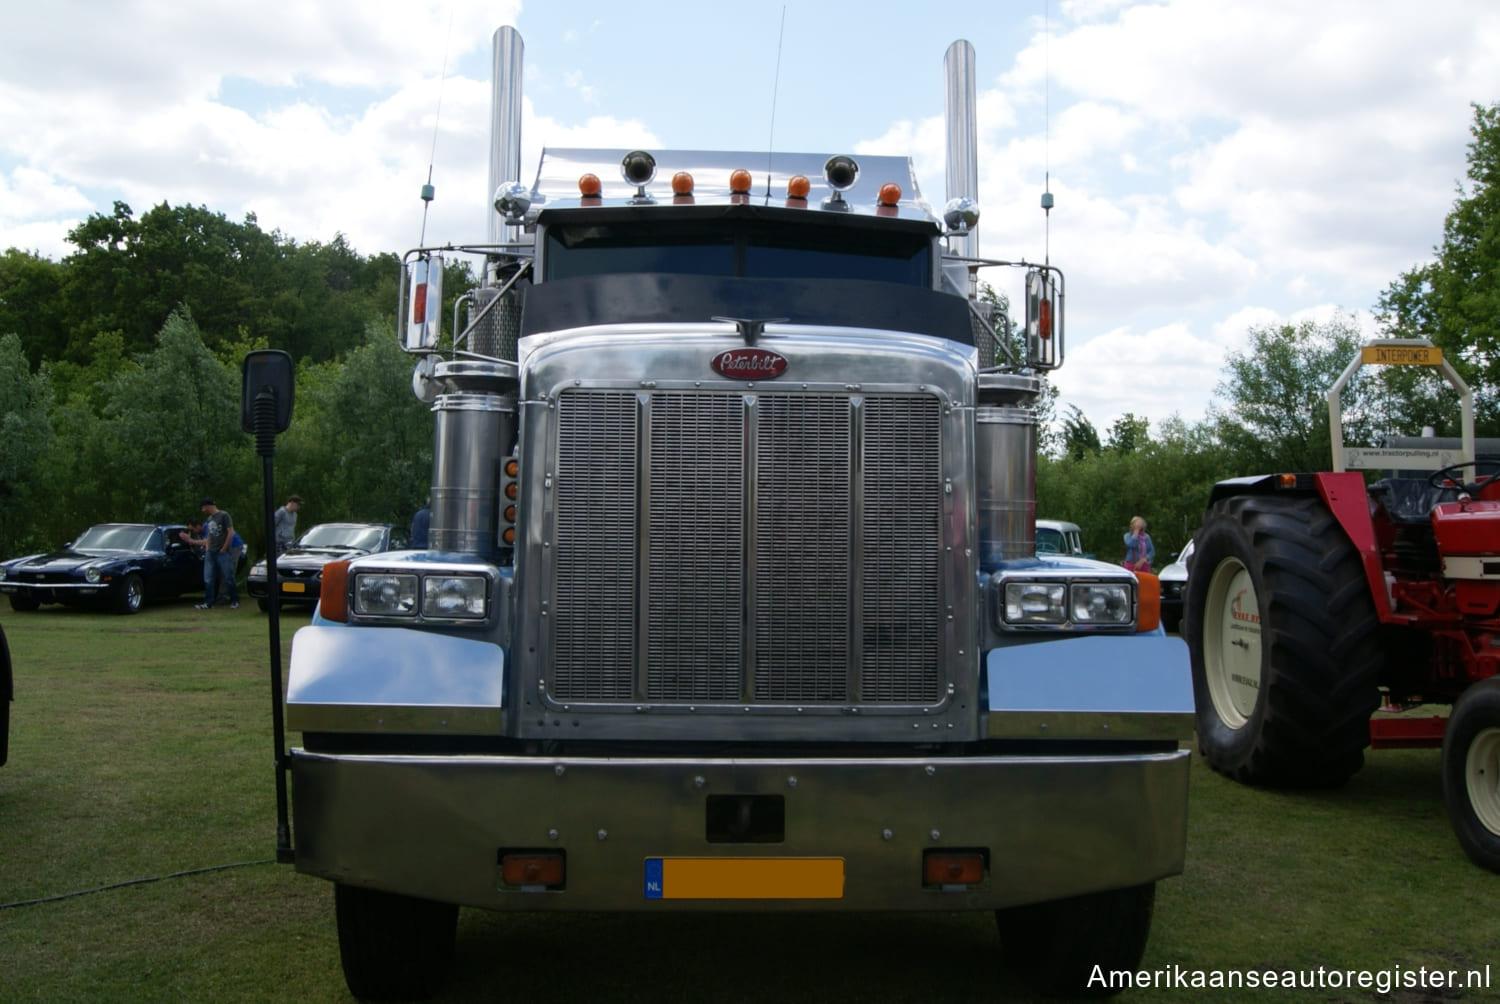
column 118, row 565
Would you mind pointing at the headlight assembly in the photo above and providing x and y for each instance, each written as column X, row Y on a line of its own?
column 92, row 574
column 1106, row 603
column 454, row 596
column 1064, row 603
column 382, row 594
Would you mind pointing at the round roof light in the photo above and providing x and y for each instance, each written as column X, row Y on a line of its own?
column 682, row 183
column 589, row 185
column 797, row 186
column 638, row 167
column 961, row 214
column 890, row 194
column 842, row 172
column 512, row 200
column 739, row 182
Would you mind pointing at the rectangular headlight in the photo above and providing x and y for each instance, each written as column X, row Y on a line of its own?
column 1101, row 603
column 454, row 596
column 1035, row 603
column 384, row 594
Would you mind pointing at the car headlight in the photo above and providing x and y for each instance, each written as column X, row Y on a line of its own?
column 1105, row 603
column 2, row 574
column 460, row 596
column 92, row 574
column 383, row 594
column 1035, row 603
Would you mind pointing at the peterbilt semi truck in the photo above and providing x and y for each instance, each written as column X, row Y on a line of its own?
column 731, row 599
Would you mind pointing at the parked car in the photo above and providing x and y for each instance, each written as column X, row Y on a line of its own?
column 119, row 565
column 1055, row 536
column 1173, row 585
column 299, row 569
column 7, row 694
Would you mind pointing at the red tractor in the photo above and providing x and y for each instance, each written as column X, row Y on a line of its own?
column 1315, row 600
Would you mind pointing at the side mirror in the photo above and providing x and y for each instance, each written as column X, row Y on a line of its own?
column 266, row 370
column 1044, row 317
column 422, row 303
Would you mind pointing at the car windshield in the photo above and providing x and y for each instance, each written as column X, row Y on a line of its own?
column 1049, row 541
column 365, row 538
column 114, row 537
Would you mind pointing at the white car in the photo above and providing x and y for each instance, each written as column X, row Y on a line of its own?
column 1173, row 585
column 1055, row 536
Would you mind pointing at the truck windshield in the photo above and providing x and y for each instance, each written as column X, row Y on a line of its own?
column 757, row 249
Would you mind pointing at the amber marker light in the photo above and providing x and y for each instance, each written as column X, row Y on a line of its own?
column 508, row 535
column 682, row 183
column 589, row 186
column 739, row 182
column 941, row 868
column 1148, row 601
column 333, row 595
column 532, row 869
column 512, row 468
column 797, row 186
column 890, row 194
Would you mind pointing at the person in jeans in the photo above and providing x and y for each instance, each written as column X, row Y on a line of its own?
column 218, row 560
column 284, row 521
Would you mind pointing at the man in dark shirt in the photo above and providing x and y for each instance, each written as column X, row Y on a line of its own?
column 218, row 562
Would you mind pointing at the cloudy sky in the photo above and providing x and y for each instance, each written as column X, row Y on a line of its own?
column 1216, row 164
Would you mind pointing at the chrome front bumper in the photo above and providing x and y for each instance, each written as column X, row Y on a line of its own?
column 435, row 826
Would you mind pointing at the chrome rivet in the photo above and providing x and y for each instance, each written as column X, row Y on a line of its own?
column 791, row 782
column 931, row 770
column 603, row 834
column 699, row 781
column 886, row 835
column 559, row 770
column 935, row 835
column 552, row 834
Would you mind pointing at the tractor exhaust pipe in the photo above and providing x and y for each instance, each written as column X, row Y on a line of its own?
column 960, row 119
column 505, row 126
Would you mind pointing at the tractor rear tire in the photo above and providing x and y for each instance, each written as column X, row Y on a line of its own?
column 393, row 947
column 1283, row 637
column 1471, row 772
column 1062, row 946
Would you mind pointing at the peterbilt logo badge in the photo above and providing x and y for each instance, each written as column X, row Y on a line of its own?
column 749, row 364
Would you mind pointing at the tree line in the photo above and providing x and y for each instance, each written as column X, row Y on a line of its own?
column 120, row 381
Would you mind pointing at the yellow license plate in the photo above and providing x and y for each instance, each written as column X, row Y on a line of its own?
column 294, row 587
column 744, row 878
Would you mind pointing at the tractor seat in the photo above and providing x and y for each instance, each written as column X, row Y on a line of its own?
column 1410, row 500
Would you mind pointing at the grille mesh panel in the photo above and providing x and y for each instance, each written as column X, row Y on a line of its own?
column 708, row 549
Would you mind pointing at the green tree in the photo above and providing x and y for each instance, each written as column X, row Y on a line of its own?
column 1128, row 433
column 31, row 301
column 1275, row 411
column 25, row 437
column 1079, row 437
column 1454, row 300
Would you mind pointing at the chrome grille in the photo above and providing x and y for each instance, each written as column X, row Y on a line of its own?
column 720, row 547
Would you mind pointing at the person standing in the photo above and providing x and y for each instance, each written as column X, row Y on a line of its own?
column 1139, row 551
column 284, row 522
column 218, row 536
column 420, row 523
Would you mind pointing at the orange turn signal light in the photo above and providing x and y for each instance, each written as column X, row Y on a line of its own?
column 739, row 182
column 510, row 514
column 589, row 185
column 512, row 468
column 1148, row 601
column 333, row 595
column 797, row 186
column 532, row 869
column 890, row 194
column 682, row 183
column 508, row 535
column 952, row 868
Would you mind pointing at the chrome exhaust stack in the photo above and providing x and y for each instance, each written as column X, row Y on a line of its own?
column 960, row 119
column 505, row 126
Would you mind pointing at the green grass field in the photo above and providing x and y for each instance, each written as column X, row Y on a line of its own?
column 141, row 749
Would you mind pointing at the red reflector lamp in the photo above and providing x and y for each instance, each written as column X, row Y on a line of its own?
column 941, row 868
column 532, row 869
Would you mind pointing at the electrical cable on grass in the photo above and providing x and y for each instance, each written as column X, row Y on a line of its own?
column 139, row 881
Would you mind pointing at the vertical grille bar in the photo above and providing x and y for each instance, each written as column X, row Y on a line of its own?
column 695, row 565
column 901, row 547
column 802, row 548
column 594, row 547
